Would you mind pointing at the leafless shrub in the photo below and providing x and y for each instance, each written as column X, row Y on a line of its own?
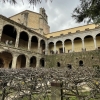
column 35, row 84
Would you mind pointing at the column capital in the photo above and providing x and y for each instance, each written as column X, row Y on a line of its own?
column 72, row 41
column 83, row 39
column 15, row 54
column 63, row 42
column 94, row 38
column 54, row 43
column 30, row 37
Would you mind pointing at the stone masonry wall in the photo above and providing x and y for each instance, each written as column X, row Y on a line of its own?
column 89, row 58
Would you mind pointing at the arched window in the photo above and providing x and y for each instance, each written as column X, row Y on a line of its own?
column 59, row 47
column 34, row 43
column 5, row 59
column 80, row 63
column 51, row 48
column 9, row 34
column 21, row 61
column 42, row 63
column 58, row 64
column 33, row 62
column 69, row 66
column 78, row 44
column 23, row 40
column 42, row 46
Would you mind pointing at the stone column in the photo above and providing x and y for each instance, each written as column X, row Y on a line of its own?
column 1, row 28
column 14, row 61
column 46, row 49
column 63, row 47
column 72, row 45
column 37, row 62
column 39, row 45
column 29, row 43
column 95, row 44
column 27, row 62
column 83, row 44
column 55, row 48
column 17, row 40
column 0, row 34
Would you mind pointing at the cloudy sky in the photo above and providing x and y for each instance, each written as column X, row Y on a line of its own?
column 59, row 12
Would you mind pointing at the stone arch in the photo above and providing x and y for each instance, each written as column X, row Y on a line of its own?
column 51, row 48
column 21, row 61
column 34, row 43
column 6, row 58
column 80, row 63
column 59, row 47
column 42, row 46
column 89, row 43
column 68, row 45
column 33, row 62
column 98, row 40
column 9, row 34
column 42, row 62
column 77, row 44
column 23, row 40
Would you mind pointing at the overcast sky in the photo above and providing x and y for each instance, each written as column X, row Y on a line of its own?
column 59, row 12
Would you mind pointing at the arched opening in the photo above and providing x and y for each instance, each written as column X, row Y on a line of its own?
column 21, row 61
column 33, row 62
column 80, row 63
column 98, row 40
column 23, row 40
column 51, row 48
column 42, row 63
column 78, row 44
column 59, row 47
column 68, row 46
column 9, row 35
column 5, row 59
column 58, row 64
column 1, row 63
column 89, row 43
column 34, row 43
column 42, row 46
column 69, row 66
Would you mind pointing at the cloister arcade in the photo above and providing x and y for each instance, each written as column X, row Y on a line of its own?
column 75, row 44
column 31, row 48
column 10, row 60
column 21, row 40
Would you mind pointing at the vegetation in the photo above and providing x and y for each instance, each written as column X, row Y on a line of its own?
column 33, row 2
column 45, row 83
column 88, row 10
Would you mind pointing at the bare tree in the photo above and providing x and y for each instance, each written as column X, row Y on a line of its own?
column 32, row 2
column 35, row 84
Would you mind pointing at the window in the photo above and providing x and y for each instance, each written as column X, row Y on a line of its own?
column 69, row 66
column 80, row 63
column 58, row 64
